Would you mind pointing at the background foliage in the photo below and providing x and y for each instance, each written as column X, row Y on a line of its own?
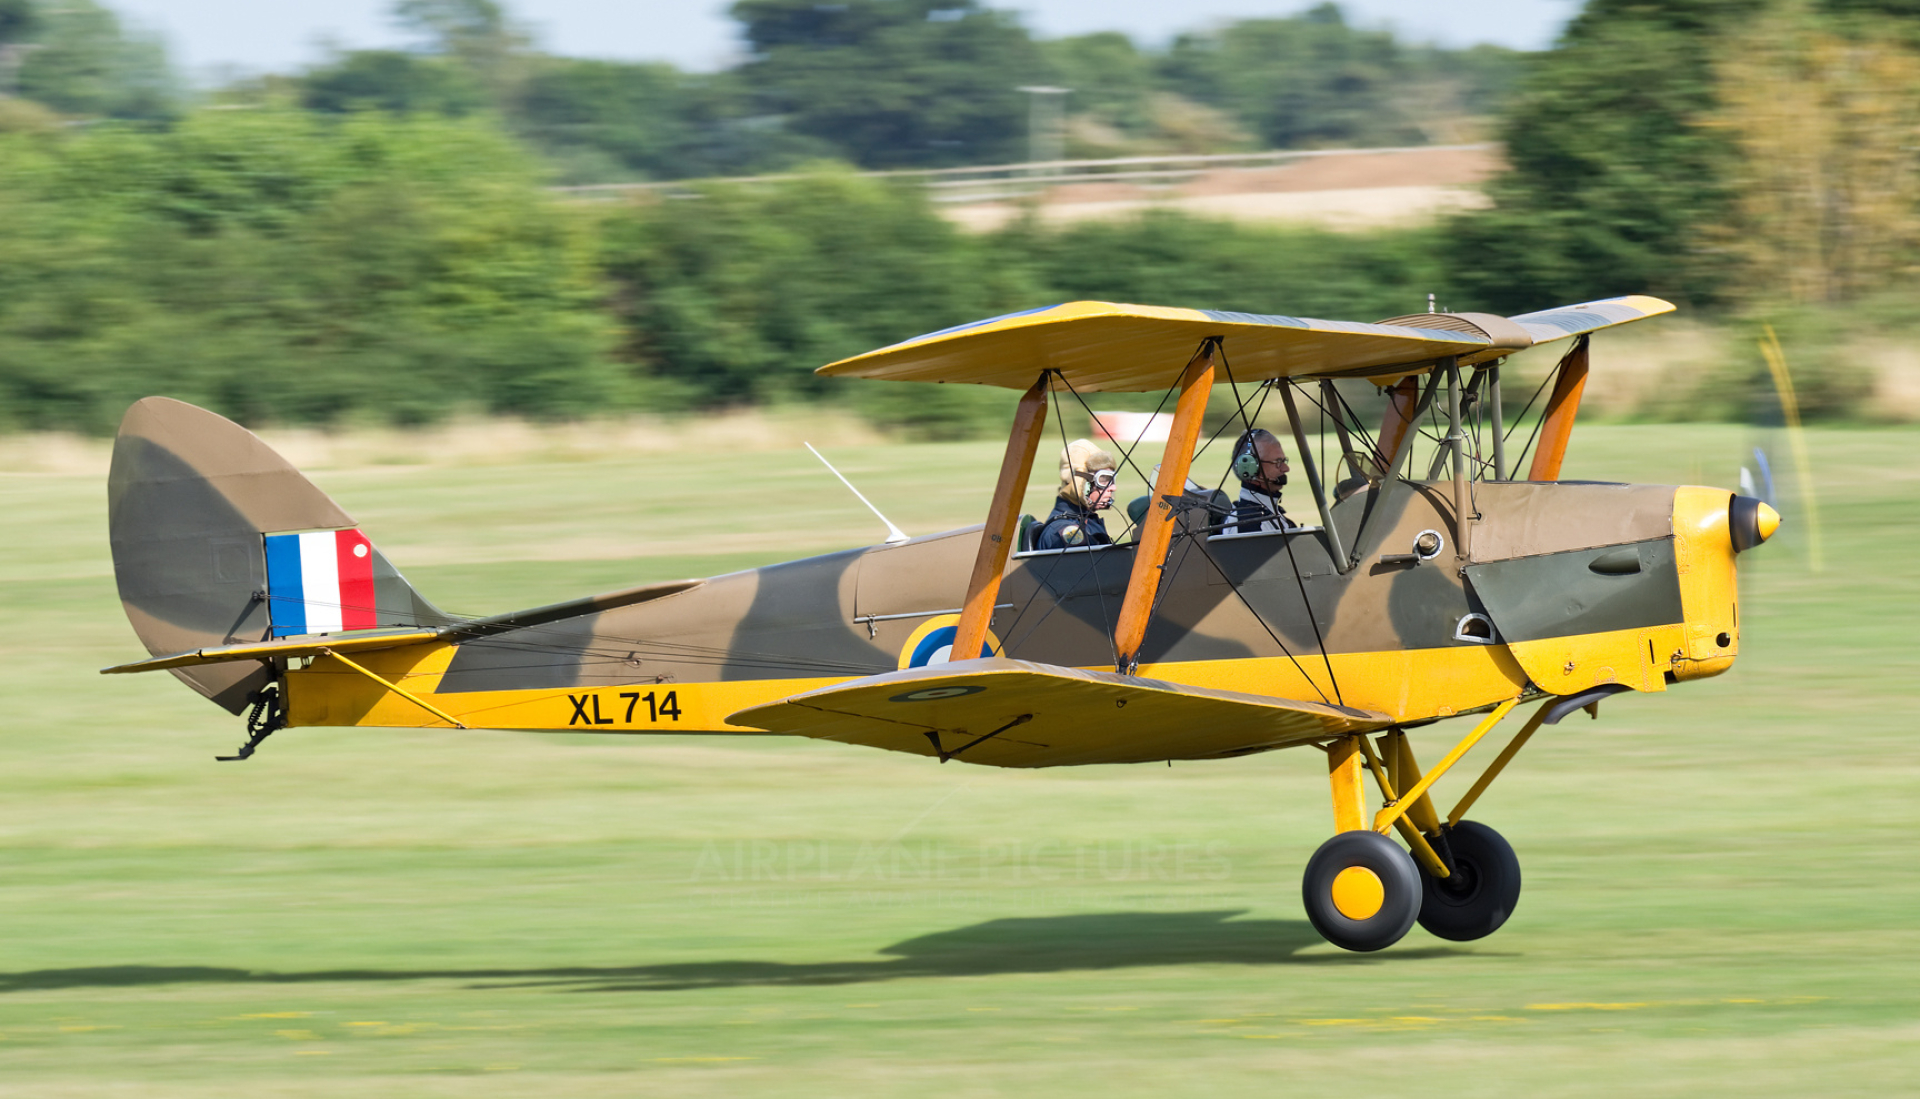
column 274, row 263
column 374, row 239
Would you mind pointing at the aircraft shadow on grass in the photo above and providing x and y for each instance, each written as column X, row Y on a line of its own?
column 1047, row 944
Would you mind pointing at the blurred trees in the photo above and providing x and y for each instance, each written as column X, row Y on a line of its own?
column 275, row 264
column 920, row 83
column 877, row 83
column 597, row 121
column 892, row 82
column 739, row 294
column 76, row 57
column 1312, row 81
column 1616, row 166
column 373, row 239
column 1826, row 119
column 1725, row 153
column 394, row 81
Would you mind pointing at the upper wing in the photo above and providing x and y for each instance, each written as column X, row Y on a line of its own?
column 1100, row 345
column 1013, row 713
column 1571, row 320
column 1105, row 346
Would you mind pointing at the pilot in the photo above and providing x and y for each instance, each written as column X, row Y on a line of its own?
column 1086, row 489
column 1260, row 462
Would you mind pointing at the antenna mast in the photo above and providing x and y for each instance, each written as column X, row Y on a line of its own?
column 895, row 535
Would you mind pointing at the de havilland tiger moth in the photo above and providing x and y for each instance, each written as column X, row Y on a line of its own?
column 1428, row 586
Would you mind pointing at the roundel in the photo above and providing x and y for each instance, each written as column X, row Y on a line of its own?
column 934, row 694
column 932, row 643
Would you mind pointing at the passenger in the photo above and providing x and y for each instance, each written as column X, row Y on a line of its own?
column 1260, row 462
column 1086, row 489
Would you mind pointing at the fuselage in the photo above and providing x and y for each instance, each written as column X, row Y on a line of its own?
column 1565, row 587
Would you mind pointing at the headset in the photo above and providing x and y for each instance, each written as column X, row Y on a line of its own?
column 1246, row 463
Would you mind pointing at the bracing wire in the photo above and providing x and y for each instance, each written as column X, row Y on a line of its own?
column 1106, row 620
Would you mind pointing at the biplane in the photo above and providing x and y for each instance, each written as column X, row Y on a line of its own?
column 1440, row 580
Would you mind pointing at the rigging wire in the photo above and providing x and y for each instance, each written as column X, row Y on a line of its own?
column 1538, row 424
column 1199, row 540
column 1240, row 407
column 1312, row 619
column 1126, row 452
column 1066, row 455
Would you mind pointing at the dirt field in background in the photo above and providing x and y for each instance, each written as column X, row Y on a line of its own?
column 1359, row 190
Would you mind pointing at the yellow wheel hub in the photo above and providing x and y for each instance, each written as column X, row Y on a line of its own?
column 1357, row 893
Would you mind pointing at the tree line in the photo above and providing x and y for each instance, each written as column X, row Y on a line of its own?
column 285, row 266
column 280, row 259
column 878, row 83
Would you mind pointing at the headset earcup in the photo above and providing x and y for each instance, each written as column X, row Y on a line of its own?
column 1246, row 464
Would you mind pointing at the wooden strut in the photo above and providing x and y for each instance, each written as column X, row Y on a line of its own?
column 1003, row 516
column 1156, row 528
column 402, row 692
column 1403, row 401
column 1556, row 424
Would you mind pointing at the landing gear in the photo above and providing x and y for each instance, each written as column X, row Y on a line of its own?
column 1478, row 897
column 1362, row 891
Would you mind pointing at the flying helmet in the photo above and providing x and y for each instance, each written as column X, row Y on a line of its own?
column 1083, row 464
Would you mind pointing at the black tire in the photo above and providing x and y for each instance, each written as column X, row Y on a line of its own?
column 1398, row 880
column 1483, row 890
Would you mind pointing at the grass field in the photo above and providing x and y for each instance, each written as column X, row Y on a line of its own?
column 1721, row 884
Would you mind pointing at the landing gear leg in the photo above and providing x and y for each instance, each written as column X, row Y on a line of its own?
column 1361, row 891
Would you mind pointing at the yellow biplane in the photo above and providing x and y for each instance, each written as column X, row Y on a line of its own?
column 1422, row 592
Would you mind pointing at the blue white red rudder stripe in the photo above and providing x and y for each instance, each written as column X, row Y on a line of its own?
column 320, row 582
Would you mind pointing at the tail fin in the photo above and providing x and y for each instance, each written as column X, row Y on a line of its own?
column 196, row 506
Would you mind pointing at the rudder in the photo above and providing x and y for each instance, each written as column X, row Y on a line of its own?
column 196, row 504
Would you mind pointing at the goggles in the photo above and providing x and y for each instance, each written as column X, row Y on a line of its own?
column 1099, row 479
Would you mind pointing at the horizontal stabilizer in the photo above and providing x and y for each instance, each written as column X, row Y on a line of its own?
column 372, row 640
column 1013, row 713
column 285, row 649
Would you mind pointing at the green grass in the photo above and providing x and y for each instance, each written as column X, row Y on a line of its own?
column 1720, row 886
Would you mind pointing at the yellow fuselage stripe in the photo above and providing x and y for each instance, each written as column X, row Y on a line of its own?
column 1409, row 685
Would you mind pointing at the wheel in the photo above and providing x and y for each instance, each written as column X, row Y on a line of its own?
column 1362, row 891
column 1480, row 895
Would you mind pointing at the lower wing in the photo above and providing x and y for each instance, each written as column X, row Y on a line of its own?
column 1013, row 713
